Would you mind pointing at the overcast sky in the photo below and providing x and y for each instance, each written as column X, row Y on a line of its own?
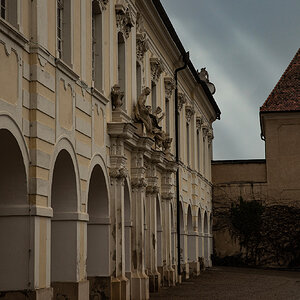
column 245, row 46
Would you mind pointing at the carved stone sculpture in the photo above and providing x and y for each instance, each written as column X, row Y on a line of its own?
column 203, row 75
column 151, row 121
column 117, row 97
column 124, row 19
column 142, row 46
column 189, row 112
column 169, row 86
column 157, row 67
column 181, row 101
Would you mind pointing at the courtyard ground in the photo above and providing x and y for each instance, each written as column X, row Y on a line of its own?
column 237, row 283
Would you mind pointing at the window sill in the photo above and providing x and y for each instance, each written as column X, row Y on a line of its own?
column 62, row 66
column 13, row 33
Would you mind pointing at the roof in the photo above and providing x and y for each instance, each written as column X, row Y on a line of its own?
column 163, row 15
column 286, row 94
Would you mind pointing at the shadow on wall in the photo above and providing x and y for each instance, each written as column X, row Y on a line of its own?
column 257, row 235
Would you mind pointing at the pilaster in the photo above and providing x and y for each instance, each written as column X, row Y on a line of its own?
column 139, row 279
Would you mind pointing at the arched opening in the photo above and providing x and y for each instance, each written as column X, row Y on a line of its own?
column 98, row 227
column 182, row 234
column 63, row 228
column 159, row 234
column 205, row 238
column 191, row 246
column 122, row 67
column 138, row 80
column 14, row 220
column 200, row 235
column 173, row 237
column 128, row 226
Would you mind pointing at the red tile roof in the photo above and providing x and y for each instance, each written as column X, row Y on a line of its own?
column 286, row 94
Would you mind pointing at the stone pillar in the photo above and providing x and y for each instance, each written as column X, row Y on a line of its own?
column 184, row 258
column 194, row 266
column 151, row 237
column 201, row 249
column 139, row 279
column 120, row 285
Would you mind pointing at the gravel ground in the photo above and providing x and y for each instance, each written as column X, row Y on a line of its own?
column 237, row 283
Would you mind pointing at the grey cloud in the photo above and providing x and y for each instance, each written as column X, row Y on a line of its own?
column 246, row 46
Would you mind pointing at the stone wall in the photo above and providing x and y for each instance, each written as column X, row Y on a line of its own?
column 276, row 243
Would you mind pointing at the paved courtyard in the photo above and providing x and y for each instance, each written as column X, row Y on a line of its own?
column 237, row 283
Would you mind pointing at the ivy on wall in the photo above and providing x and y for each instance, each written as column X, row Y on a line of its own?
column 267, row 235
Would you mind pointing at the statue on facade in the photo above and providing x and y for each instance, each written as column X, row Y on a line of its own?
column 143, row 113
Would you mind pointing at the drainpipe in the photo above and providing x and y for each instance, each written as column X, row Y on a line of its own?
column 185, row 59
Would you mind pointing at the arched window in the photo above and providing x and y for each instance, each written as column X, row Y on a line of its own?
column 63, row 31
column 138, row 80
column 121, row 67
column 188, row 143
column 97, row 58
column 153, row 96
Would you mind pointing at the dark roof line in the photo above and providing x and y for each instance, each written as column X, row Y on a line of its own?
column 161, row 11
column 238, row 161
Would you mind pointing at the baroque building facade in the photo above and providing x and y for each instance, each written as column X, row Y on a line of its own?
column 88, row 204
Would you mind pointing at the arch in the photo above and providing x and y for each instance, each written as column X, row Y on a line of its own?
column 189, row 220
column 206, row 240
column 128, row 226
column 63, row 143
column 159, row 232
column 122, row 66
column 7, row 122
column 200, row 227
column 98, row 228
column 173, row 235
column 205, row 222
column 182, row 233
column 200, row 233
column 190, row 231
column 14, row 209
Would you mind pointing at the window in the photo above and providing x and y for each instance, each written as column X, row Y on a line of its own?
column 204, row 154
column 64, row 30
column 167, row 108
column 8, row 11
column 121, row 66
column 3, row 9
column 59, row 27
column 97, row 58
column 138, row 80
column 188, row 143
column 198, row 149
column 153, row 96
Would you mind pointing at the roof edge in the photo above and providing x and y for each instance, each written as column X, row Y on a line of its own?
column 162, row 13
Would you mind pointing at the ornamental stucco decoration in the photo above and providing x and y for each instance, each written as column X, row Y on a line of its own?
column 152, row 189
column 210, row 136
column 189, row 112
column 99, row 6
column 117, row 97
column 142, row 46
column 169, row 86
column 205, row 128
column 181, row 100
column 138, row 182
column 199, row 122
column 157, row 67
column 124, row 18
column 121, row 172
